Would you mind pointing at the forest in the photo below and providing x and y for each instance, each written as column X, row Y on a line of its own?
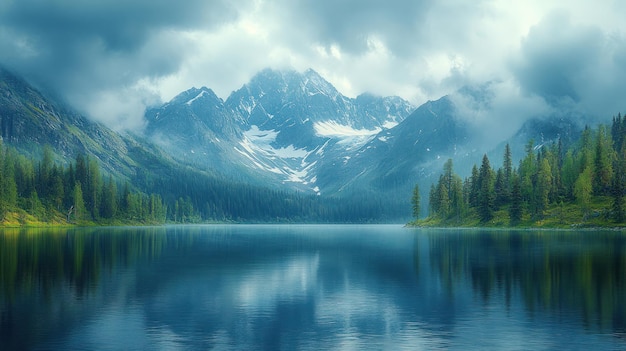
column 193, row 196
column 37, row 192
column 44, row 192
column 554, row 185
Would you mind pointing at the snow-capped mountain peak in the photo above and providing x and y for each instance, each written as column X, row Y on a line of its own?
column 281, row 124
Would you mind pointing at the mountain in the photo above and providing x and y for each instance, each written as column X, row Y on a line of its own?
column 304, row 108
column 547, row 130
column 197, row 129
column 291, row 130
column 274, row 130
column 395, row 159
column 285, row 146
column 29, row 120
column 231, row 185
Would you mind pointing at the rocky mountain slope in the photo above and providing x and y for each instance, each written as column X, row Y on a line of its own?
column 279, row 128
column 29, row 120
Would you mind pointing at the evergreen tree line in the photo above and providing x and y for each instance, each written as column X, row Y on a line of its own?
column 548, row 176
column 194, row 196
column 78, row 192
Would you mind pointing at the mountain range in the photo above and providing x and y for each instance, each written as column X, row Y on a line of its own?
column 282, row 128
column 282, row 131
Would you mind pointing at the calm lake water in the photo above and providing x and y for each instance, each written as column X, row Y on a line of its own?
column 312, row 287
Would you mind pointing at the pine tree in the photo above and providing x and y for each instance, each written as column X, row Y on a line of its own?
column 109, row 199
column 501, row 192
column 617, row 191
column 415, row 202
column 584, row 156
column 92, row 194
column 617, row 186
column 527, row 172
column 443, row 198
column 583, row 189
column 457, row 199
column 618, row 131
column 544, row 183
column 515, row 208
column 603, row 162
column 79, row 202
column 569, row 175
column 474, row 187
column 44, row 173
column 485, row 192
column 507, row 167
column 56, row 192
column 432, row 201
column 35, row 207
column 557, row 166
column 8, row 186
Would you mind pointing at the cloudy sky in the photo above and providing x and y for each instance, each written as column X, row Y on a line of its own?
column 111, row 58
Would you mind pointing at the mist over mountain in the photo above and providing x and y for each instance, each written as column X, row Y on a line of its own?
column 283, row 131
column 29, row 121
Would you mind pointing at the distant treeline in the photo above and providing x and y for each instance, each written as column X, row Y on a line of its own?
column 591, row 171
column 77, row 193
column 44, row 191
column 193, row 196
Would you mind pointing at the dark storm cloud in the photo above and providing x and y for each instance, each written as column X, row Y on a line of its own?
column 121, row 25
column 68, row 44
column 572, row 65
column 112, row 58
column 554, row 55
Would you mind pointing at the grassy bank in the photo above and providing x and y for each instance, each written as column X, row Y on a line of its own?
column 23, row 219
column 561, row 216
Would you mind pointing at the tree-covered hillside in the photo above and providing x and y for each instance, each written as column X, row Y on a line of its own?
column 37, row 192
column 581, row 184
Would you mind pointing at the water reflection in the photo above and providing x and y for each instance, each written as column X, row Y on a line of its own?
column 562, row 272
column 309, row 287
column 38, row 260
column 50, row 279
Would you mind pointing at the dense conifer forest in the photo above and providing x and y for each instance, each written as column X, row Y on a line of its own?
column 192, row 196
column 43, row 192
column 38, row 192
column 553, row 185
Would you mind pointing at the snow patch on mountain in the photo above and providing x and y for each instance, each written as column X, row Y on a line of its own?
column 263, row 140
column 390, row 124
column 347, row 136
column 332, row 129
column 290, row 163
column 299, row 175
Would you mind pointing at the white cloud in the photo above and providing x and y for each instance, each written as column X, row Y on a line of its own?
column 419, row 50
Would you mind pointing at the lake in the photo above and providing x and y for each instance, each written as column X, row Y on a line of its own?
column 311, row 287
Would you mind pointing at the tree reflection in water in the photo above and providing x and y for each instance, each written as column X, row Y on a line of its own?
column 558, row 271
column 41, row 269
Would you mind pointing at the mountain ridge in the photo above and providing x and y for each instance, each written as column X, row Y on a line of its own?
column 281, row 132
column 279, row 125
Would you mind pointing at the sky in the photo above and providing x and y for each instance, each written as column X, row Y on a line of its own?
column 501, row 61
